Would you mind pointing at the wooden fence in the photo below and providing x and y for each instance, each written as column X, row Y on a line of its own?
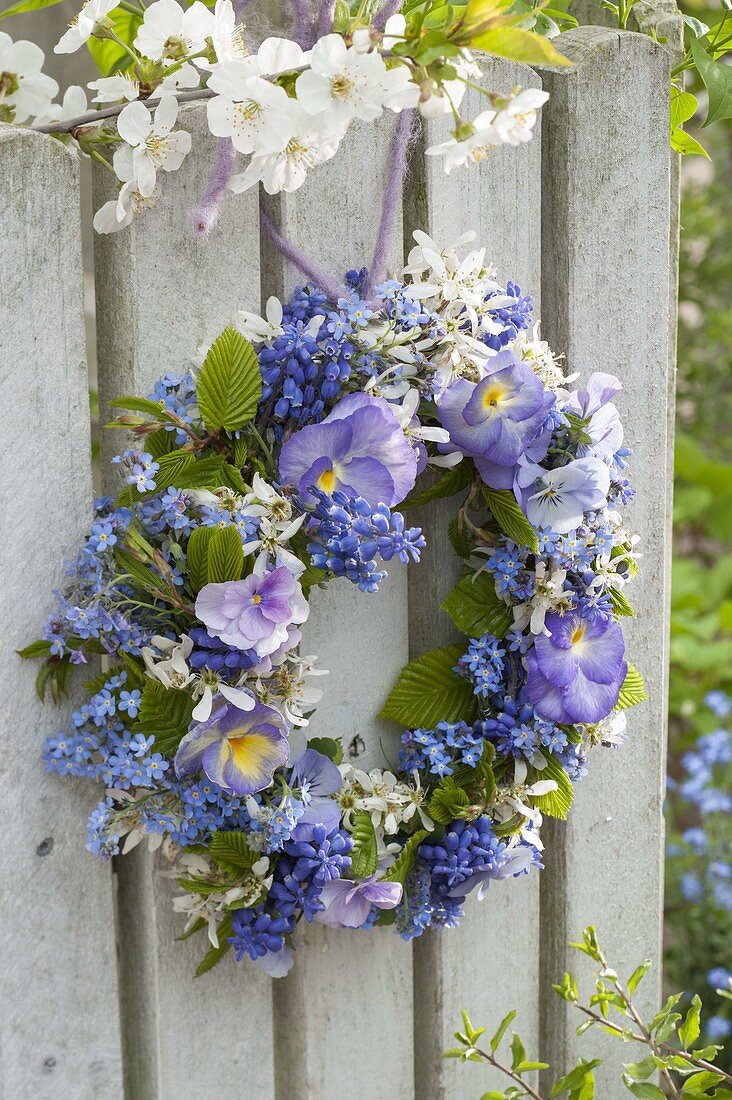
column 98, row 999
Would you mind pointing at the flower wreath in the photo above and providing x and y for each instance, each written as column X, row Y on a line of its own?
column 277, row 466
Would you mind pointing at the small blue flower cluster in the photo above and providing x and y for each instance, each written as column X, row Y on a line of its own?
column 300, row 875
column 440, row 750
column 275, row 823
column 178, row 393
column 350, row 534
column 484, row 665
column 507, row 566
column 514, row 316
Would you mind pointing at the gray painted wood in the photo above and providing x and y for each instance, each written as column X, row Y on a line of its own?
column 343, row 1017
column 161, row 294
column 59, row 1030
column 606, row 226
column 491, row 962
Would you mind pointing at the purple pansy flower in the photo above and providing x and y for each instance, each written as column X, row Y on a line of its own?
column 577, row 670
column 594, row 404
column 348, row 903
column 254, row 613
column 237, row 749
column 557, row 499
column 359, row 449
column 497, row 418
column 318, row 778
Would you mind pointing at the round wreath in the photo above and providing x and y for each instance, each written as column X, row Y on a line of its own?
column 277, row 466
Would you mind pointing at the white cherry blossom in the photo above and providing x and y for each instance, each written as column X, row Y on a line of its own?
column 475, row 146
column 280, row 55
column 251, row 111
column 73, row 103
column 123, row 86
column 82, row 25
column 168, row 32
column 345, row 83
column 514, row 122
column 259, row 329
column 312, row 142
column 24, row 90
column 151, row 142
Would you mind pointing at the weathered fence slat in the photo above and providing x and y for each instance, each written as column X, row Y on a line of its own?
column 60, row 1030
column 490, row 963
column 606, row 183
column 343, row 1017
column 161, row 294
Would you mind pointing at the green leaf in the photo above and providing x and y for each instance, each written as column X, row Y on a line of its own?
column 404, row 862
column 507, row 513
column 633, row 690
column 456, row 478
column 225, row 559
column 230, row 383
column 160, row 442
column 155, row 409
column 195, row 927
column 556, row 803
column 364, row 853
column 501, row 1030
column 576, row 1077
column 690, row 1030
column 518, row 1054
column 40, row 648
column 27, row 5
column 329, row 746
column 197, row 560
column 428, row 692
column 109, row 56
column 142, row 575
column 447, row 801
column 717, row 78
column 475, row 608
column 519, row 45
column 682, row 142
column 231, row 851
column 644, row 1089
column 620, row 602
column 216, row 954
column 458, row 538
column 165, row 713
column 638, row 975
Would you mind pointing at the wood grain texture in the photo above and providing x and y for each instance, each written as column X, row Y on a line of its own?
column 162, row 293
column 490, row 963
column 343, row 1017
column 606, row 226
column 59, row 1029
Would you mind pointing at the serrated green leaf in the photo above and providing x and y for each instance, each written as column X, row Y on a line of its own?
column 142, row 575
column 620, row 602
column 216, row 954
column 97, row 683
column 160, row 442
column 456, row 478
column 157, row 410
column 507, row 513
column 475, row 608
column 633, row 690
column 225, row 558
column 231, row 851
column 458, row 538
column 364, row 853
column 556, row 803
column 197, row 556
column 230, row 383
column 428, row 692
column 404, row 862
column 165, row 713
column 446, row 802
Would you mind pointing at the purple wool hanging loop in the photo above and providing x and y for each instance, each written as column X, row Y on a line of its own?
column 206, row 214
column 406, row 131
column 302, row 24
column 389, row 9
column 292, row 253
column 325, row 18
